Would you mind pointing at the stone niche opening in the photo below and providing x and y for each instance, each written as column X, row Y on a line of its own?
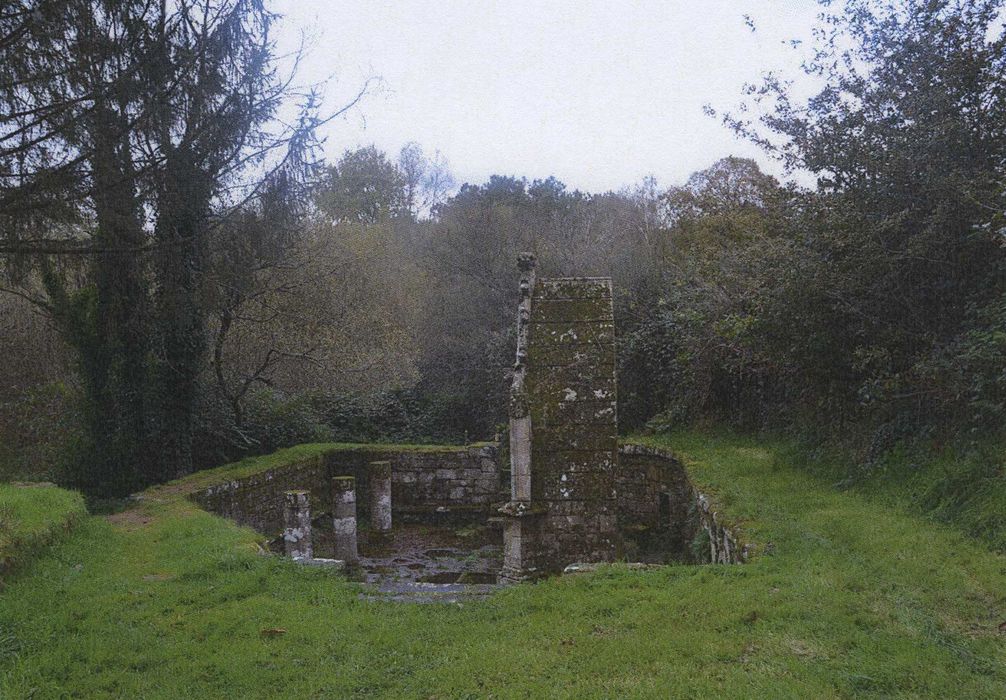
column 567, row 494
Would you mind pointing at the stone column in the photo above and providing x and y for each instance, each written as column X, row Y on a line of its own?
column 344, row 518
column 297, row 517
column 522, row 520
column 380, row 496
column 520, row 458
column 520, row 418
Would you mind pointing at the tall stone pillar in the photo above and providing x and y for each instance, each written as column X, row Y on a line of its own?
column 380, row 496
column 344, row 518
column 297, row 518
column 520, row 532
column 574, row 412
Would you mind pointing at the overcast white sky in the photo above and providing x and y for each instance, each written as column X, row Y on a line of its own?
column 599, row 94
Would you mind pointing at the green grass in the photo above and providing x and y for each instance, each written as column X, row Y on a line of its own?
column 845, row 599
column 32, row 517
column 960, row 485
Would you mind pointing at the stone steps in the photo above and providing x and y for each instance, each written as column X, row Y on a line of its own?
column 421, row 592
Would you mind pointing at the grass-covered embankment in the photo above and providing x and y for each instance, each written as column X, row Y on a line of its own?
column 31, row 517
column 963, row 485
column 844, row 599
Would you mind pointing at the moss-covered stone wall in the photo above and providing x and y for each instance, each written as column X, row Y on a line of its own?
column 570, row 386
column 665, row 517
column 657, row 513
column 424, row 481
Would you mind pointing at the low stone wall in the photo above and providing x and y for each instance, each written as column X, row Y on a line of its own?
column 660, row 512
column 257, row 500
column 724, row 546
column 470, row 477
column 424, row 482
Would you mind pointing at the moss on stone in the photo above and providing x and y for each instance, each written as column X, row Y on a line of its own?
column 288, row 457
column 567, row 310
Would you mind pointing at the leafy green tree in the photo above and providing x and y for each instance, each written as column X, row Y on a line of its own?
column 898, row 256
column 691, row 343
column 365, row 187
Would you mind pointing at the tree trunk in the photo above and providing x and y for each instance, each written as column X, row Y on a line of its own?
column 106, row 325
column 180, row 318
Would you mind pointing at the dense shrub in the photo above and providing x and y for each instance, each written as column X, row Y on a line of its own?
column 40, row 433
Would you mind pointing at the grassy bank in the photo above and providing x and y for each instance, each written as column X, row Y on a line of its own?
column 961, row 485
column 32, row 517
column 845, row 599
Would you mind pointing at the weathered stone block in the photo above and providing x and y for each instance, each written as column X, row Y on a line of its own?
column 555, row 336
column 572, row 288
column 486, row 485
column 575, row 486
column 380, row 496
column 344, row 518
column 297, row 517
column 577, row 412
column 552, row 389
column 569, row 437
column 572, row 310
column 572, row 354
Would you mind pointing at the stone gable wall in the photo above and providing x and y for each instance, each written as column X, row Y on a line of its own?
column 570, row 386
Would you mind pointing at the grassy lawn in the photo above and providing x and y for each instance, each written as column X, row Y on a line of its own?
column 845, row 598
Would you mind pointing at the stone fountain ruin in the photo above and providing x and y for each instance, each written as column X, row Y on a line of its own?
column 442, row 521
